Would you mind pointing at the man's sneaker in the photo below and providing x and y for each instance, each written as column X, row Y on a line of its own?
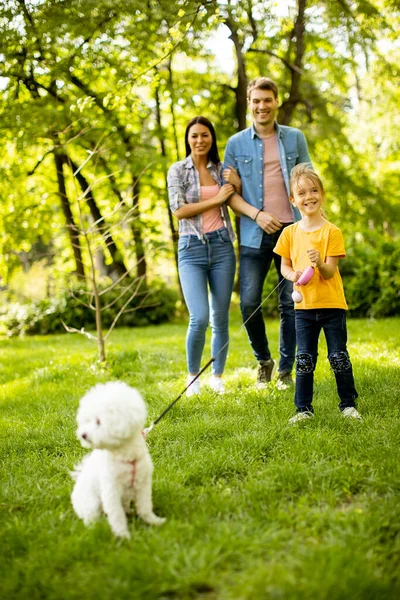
column 217, row 385
column 351, row 413
column 301, row 416
column 284, row 380
column 194, row 388
column 266, row 369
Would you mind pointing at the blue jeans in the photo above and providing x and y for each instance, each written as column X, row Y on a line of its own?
column 254, row 267
column 205, row 266
column 308, row 327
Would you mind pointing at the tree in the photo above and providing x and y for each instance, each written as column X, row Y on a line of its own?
column 129, row 77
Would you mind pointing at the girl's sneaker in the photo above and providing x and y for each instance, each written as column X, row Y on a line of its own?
column 194, row 388
column 301, row 416
column 217, row 385
column 351, row 413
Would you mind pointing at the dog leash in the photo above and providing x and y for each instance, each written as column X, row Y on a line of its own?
column 147, row 430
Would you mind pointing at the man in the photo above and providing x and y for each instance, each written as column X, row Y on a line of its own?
column 264, row 155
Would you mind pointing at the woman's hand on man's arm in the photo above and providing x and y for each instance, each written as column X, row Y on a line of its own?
column 232, row 176
column 196, row 208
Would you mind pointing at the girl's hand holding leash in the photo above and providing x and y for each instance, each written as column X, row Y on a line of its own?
column 314, row 257
column 294, row 276
column 304, row 278
column 326, row 268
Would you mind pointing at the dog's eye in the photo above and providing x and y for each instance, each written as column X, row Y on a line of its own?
column 98, row 422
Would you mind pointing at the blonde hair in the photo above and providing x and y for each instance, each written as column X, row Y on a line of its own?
column 304, row 170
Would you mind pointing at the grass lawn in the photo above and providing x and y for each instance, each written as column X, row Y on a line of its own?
column 255, row 508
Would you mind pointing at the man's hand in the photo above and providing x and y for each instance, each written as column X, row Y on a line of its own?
column 268, row 222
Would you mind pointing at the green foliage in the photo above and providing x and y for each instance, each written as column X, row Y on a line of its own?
column 81, row 77
column 39, row 317
column 255, row 509
column 371, row 277
column 152, row 305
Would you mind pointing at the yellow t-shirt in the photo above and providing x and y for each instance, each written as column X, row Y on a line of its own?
column 293, row 244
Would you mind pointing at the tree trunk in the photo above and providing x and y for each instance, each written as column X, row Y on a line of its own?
column 288, row 107
column 117, row 262
column 240, row 112
column 241, row 88
column 141, row 266
column 73, row 231
column 172, row 107
column 97, row 304
column 173, row 231
column 127, row 140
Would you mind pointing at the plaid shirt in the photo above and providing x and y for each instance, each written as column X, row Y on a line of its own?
column 184, row 188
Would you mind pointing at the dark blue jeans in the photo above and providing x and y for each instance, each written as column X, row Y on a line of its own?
column 308, row 327
column 254, row 267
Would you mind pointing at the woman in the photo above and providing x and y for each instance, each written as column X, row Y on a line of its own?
column 206, row 259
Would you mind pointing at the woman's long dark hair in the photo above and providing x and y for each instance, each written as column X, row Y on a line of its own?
column 213, row 153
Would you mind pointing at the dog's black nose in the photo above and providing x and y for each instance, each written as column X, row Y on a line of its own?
column 84, row 435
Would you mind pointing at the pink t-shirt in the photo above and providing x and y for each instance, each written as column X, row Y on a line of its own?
column 276, row 200
column 212, row 219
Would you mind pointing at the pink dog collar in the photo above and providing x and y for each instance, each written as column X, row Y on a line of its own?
column 133, row 472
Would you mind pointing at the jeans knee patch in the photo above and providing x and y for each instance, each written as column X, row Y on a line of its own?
column 340, row 362
column 304, row 363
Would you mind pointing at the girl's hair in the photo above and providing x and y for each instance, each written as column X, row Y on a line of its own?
column 213, row 152
column 304, row 170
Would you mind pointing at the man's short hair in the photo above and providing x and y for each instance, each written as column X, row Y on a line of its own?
column 262, row 83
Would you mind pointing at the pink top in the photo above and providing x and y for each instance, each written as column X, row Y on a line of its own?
column 276, row 200
column 212, row 219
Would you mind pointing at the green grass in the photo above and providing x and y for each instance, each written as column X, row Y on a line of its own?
column 255, row 509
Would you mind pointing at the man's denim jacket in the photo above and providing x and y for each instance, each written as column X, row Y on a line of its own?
column 245, row 152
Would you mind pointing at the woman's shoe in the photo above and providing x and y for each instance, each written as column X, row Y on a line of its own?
column 194, row 388
column 217, row 385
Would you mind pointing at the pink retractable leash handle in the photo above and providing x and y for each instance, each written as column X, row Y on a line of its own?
column 306, row 276
column 302, row 280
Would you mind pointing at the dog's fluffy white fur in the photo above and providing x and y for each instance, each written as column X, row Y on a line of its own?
column 110, row 419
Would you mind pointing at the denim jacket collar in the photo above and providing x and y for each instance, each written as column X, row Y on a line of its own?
column 276, row 127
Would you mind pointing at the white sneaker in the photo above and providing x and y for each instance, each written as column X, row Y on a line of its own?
column 351, row 412
column 217, row 385
column 194, row 387
column 301, row 416
column 284, row 381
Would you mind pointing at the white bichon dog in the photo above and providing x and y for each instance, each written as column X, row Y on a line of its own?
column 110, row 419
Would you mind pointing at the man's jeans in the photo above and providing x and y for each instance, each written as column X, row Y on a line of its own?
column 254, row 267
column 308, row 327
column 207, row 265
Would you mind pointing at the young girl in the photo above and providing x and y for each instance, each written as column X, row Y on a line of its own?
column 206, row 258
column 323, row 305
